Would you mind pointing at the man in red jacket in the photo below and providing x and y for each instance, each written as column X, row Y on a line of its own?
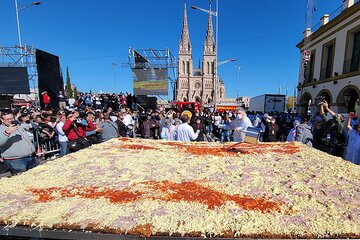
column 46, row 99
column 74, row 128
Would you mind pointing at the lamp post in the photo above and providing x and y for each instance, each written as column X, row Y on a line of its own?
column 216, row 14
column 114, row 74
column 18, row 9
column 238, row 67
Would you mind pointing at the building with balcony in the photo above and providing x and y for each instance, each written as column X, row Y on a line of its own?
column 331, row 70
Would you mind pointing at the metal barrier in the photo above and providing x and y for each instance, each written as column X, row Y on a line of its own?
column 46, row 147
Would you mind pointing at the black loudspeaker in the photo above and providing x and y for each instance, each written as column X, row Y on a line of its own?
column 49, row 76
column 314, row 86
column 334, row 82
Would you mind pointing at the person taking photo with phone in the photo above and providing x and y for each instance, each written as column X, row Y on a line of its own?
column 16, row 148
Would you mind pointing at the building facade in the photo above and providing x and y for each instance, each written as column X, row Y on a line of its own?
column 198, row 85
column 330, row 67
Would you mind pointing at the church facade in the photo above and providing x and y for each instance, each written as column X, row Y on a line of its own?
column 198, row 85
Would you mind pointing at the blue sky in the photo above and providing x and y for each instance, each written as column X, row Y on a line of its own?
column 90, row 35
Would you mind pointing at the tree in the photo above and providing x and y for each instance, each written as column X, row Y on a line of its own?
column 291, row 102
column 75, row 93
column 68, row 89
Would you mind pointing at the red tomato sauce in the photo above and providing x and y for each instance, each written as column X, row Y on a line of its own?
column 164, row 191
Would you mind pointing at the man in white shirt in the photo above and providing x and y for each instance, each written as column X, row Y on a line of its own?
column 185, row 132
column 240, row 125
column 63, row 140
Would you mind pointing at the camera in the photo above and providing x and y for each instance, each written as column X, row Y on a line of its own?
column 14, row 122
column 81, row 122
column 320, row 100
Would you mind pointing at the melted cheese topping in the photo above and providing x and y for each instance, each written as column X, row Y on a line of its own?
column 170, row 187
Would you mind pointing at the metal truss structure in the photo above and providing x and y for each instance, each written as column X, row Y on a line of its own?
column 150, row 58
column 21, row 57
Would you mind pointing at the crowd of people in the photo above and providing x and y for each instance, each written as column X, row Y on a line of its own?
column 29, row 133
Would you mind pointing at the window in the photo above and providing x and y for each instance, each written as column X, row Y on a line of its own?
column 309, row 69
column 208, row 68
column 355, row 60
column 327, row 60
column 352, row 51
column 188, row 67
column 197, row 85
column 183, row 67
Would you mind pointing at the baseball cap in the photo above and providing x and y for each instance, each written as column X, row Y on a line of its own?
column 296, row 123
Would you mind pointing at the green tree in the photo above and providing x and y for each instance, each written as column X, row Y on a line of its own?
column 68, row 90
column 75, row 92
column 291, row 102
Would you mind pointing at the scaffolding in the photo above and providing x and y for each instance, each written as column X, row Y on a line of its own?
column 22, row 57
column 151, row 58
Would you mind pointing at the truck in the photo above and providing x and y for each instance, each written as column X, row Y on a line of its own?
column 267, row 103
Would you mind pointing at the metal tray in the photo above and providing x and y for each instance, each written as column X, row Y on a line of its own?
column 22, row 231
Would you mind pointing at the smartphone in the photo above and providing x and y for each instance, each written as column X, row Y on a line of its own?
column 14, row 122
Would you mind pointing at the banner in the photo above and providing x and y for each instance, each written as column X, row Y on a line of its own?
column 14, row 80
column 150, row 81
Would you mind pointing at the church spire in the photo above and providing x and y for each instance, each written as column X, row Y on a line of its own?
column 209, row 45
column 185, row 44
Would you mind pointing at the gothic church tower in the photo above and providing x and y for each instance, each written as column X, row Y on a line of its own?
column 197, row 84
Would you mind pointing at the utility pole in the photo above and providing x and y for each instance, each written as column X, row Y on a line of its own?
column 238, row 67
column 114, row 75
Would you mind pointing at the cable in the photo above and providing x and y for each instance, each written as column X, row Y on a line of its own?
column 88, row 58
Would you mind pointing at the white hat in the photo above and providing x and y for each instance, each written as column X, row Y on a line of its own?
column 296, row 123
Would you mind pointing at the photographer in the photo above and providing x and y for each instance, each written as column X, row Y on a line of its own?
column 333, row 141
column 74, row 128
column 92, row 132
column 16, row 148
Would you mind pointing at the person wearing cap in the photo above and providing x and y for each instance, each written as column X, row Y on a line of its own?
column 240, row 125
column 46, row 99
column 17, row 150
column 292, row 132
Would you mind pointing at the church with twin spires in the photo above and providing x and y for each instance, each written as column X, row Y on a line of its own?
column 198, row 85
